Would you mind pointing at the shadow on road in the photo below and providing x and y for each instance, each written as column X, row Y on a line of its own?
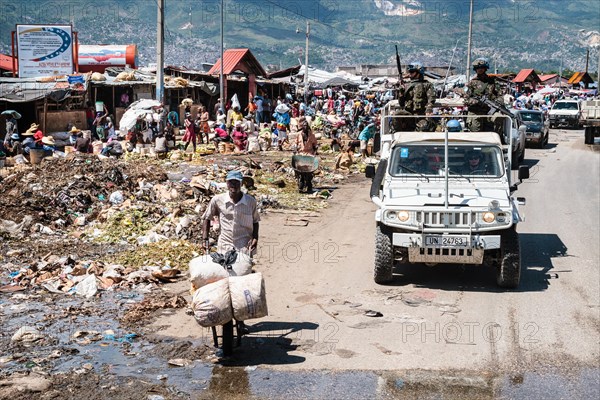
column 530, row 162
column 537, row 251
column 269, row 343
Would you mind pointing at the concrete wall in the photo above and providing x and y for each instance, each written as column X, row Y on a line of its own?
column 58, row 120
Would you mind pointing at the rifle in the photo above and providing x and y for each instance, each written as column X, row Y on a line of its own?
column 494, row 106
column 399, row 65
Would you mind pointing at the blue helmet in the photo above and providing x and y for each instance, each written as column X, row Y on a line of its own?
column 481, row 63
column 453, row 126
column 416, row 66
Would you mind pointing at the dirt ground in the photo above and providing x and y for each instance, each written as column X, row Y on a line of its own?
column 107, row 346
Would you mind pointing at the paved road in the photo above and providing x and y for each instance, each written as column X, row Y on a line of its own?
column 447, row 317
column 445, row 326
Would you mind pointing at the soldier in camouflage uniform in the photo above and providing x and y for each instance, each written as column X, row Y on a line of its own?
column 417, row 98
column 481, row 85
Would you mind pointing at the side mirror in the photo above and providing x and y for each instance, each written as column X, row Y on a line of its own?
column 523, row 128
column 370, row 171
column 523, row 172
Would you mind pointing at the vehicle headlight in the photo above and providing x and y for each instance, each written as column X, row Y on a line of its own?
column 489, row 217
column 391, row 215
column 403, row 216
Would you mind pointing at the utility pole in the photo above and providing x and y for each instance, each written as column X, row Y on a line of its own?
column 306, row 65
column 221, row 82
column 160, row 54
column 560, row 75
column 468, row 73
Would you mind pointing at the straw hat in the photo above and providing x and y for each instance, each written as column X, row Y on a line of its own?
column 49, row 140
column 74, row 130
column 32, row 129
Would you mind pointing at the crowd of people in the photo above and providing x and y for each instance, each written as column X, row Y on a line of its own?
column 349, row 120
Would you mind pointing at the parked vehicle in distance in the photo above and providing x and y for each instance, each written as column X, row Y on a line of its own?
column 565, row 113
column 590, row 120
column 537, row 127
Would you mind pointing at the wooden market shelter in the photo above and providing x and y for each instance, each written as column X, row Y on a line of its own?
column 581, row 77
column 239, row 62
column 526, row 77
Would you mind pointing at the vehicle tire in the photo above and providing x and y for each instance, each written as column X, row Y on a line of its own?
column 227, row 339
column 384, row 257
column 508, row 274
column 589, row 135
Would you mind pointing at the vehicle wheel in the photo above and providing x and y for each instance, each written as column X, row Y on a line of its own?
column 589, row 135
column 508, row 273
column 227, row 339
column 384, row 257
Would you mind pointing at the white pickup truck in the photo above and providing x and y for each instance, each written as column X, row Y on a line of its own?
column 590, row 119
column 565, row 113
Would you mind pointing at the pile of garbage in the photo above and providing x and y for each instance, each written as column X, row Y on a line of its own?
column 68, row 275
column 65, row 189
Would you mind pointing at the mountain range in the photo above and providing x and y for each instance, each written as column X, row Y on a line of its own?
column 512, row 34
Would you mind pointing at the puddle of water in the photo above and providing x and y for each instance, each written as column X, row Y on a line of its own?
column 61, row 316
column 584, row 384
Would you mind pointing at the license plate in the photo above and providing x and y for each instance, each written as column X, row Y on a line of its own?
column 446, row 241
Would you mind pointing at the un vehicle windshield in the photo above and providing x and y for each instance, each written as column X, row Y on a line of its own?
column 428, row 160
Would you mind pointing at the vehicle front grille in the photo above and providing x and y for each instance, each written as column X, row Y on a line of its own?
column 455, row 219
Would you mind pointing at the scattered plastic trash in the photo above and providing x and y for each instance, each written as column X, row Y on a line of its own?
column 87, row 287
column 116, row 197
column 372, row 313
column 26, row 334
column 179, row 362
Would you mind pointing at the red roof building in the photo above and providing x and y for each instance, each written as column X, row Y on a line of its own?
column 553, row 80
column 239, row 60
column 526, row 77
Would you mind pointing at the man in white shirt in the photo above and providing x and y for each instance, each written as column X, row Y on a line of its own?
column 238, row 217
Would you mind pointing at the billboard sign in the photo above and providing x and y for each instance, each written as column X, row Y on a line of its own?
column 44, row 50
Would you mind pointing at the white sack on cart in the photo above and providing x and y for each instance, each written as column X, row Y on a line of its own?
column 212, row 304
column 248, row 297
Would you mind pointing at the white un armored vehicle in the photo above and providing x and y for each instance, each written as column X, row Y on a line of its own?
column 445, row 197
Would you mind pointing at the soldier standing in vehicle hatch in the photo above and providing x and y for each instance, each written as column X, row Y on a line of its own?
column 417, row 98
column 481, row 85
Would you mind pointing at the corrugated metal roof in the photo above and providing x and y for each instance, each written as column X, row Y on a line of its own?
column 579, row 77
column 6, row 63
column 524, row 76
column 233, row 60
